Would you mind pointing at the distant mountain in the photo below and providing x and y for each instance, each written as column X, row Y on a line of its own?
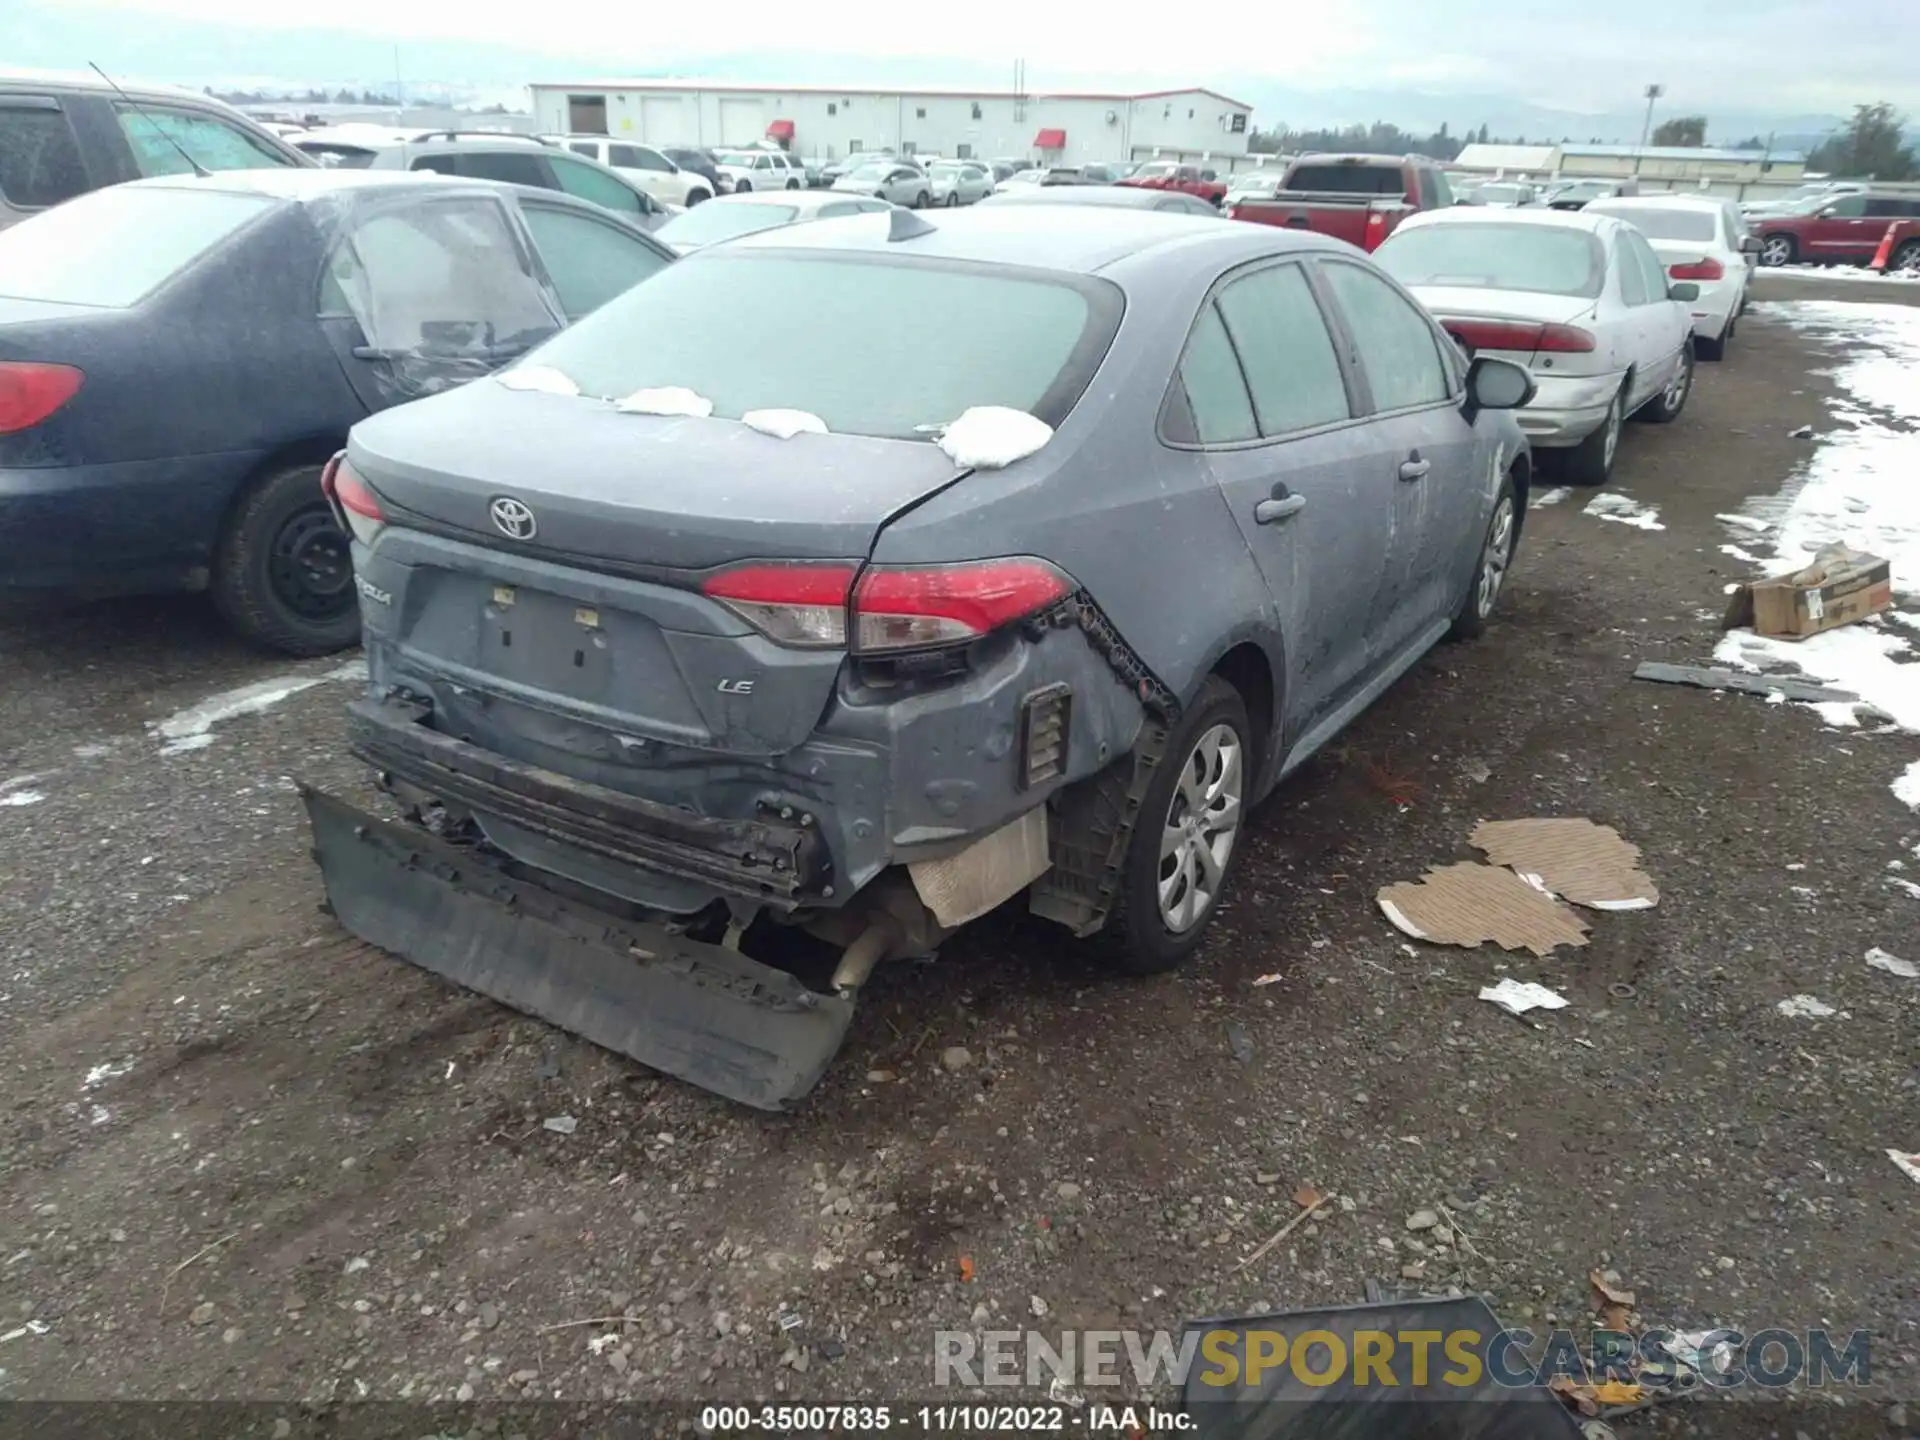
column 133, row 44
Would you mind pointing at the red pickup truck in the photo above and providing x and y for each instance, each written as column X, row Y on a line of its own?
column 1356, row 198
column 1171, row 175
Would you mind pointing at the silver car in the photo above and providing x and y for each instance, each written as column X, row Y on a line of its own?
column 741, row 607
column 959, row 182
column 895, row 180
column 731, row 216
column 1580, row 299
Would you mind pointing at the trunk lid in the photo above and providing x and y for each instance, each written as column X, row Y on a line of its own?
column 1456, row 308
column 588, row 647
column 643, row 491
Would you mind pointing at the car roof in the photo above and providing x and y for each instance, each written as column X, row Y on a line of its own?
column 303, row 186
column 1615, row 203
column 1594, row 224
column 1072, row 238
column 12, row 77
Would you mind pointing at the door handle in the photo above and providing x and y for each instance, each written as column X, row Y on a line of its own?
column 1415, row 469
column 1281, row 507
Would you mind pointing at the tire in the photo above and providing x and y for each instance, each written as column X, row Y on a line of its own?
column 743, row 187
column 282, row 573
column 696, row 195
column 953, row 198
column 1715, row 348
column 1591, row 461
column 1491, row 568
column 922, row 200
column 793, row 184
column 1138, row 935
column 1665, row 407
column 1777, row 250
column 1907, row 257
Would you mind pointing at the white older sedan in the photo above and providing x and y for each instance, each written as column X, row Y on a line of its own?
column 1699, row 239
column 959, row 182
column 1580, row 299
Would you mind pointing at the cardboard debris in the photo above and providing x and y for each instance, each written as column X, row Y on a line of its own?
column 1908, row 1163
column 1466, row 904
column 1516, row 997
column 1837, row 588
column 1576, row 859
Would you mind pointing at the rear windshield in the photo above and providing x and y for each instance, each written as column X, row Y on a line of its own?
column 710, row 224
column 1349, row 179
column 114, row 246
column 1545, row 259
column 824, row 333
column 1663, row 224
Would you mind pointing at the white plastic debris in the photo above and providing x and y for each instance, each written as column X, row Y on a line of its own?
column 1804, row 432
column 1549, row 497
column 665, row 400
column 991, row 437
column 1516, row 997
column 600, row 1342
column 784, row 424
column 19, row 799
column 1272, row 979
column 32, row 1327
column 1805, row 1007
column 1892, row 964
column 543, row 378
column 100, row 1074
column 560, row 1124
column 1609, row 506
column 357, row 1264
column 1908, row 1163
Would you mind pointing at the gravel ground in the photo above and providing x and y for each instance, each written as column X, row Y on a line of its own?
column 246, row 1157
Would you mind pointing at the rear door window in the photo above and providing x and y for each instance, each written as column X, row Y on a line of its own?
column 1284, row 348
column 590, row 260
column 1633, row 281
column 441, row 278
column 115, row 246
column 595, row 185
column 510, row 166
column 162, row 139
column 40, row 162
column 1215, row 386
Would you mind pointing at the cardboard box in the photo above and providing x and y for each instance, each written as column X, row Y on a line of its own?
column 1839, row 587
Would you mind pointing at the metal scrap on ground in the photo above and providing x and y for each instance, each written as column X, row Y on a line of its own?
column 1715, row 678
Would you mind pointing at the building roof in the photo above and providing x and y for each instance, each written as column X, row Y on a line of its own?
column 1507, row 157
column 1682, row 152
column 941, row 91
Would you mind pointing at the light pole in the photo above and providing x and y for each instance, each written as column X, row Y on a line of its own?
column 1653, row 93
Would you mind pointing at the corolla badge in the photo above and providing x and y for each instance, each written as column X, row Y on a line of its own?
column 512, row 518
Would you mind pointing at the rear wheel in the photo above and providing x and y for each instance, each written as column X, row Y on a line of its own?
column 922, row 200
column 695, row 196
column 743, row 187
column 1591, row 461
column 1907, row 257
column 282, row 572
column 1186, row 837
column 1715, row 347
column 953, row 198
column 1777, row 250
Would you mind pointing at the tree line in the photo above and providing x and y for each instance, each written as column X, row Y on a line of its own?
column 1872, row 145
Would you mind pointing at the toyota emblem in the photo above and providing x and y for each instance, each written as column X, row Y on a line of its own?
column 512, row 518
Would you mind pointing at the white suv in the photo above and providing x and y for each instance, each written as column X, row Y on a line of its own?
column 760, row 170
column 642, row 164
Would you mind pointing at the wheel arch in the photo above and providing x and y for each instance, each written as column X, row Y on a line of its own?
column 306, row 450
column 1253, row 664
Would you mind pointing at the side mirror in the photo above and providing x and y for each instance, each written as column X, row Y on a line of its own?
column 1750, row 244
column 1496, row 384
column 1684, row 291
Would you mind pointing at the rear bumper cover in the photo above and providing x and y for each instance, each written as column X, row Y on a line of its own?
column 1567, row 409
column 774, row 861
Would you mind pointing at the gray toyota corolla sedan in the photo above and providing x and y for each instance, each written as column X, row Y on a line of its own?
column 857, row 577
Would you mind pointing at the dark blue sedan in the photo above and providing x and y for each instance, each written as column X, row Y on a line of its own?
column 179, row 358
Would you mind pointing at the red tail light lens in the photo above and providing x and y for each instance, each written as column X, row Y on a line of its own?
column 801, row 604
column 1705, row 268
column 353, row 499
column 30, row 392
column 892, row 608
column 914, row 608
column 1518, row 335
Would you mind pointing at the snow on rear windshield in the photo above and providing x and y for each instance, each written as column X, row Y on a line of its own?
column 1662, row 224
column 112, row 247
column 710, row 224
column 845, row 339
column 1544, row 259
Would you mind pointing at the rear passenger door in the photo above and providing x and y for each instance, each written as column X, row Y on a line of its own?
column 1420, row 443
column 1263, row 397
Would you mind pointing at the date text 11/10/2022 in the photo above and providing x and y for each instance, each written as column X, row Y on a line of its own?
column 940, row 1419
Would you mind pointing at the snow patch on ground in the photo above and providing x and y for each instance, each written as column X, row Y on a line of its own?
column 1858, row 487
column 17, row 799
column 1845, row 272
column 1625, row 511
column 192, row 728
column 1551, row 497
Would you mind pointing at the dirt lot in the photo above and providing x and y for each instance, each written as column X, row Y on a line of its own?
column 243, row 1156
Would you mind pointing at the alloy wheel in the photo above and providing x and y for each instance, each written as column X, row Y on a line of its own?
column 1495, row 559
column 1612, row 442
column 1676, row 394
column 1201, row 826
column 1776, row 251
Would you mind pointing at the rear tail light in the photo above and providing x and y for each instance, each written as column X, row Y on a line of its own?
column 354, row 503
column 800, row 604
column 1519, row 335
column 892, row 609
column 1705, row 268
column 918, row 607
column 31, row 391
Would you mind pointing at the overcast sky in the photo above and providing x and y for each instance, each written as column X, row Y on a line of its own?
column 1780, row 56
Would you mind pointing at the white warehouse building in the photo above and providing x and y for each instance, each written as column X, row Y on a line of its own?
column 817, row 120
